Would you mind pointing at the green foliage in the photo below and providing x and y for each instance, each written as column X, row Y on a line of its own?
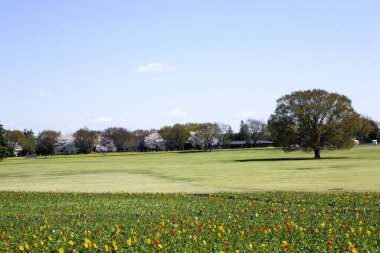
column 16, row 140
column 314, row 120
column 85, row 140
column 375, row 133
column 257, row 222
column 121, row 138
column 243, row 134
column 3, row 144
column 47, row 141
column 175, row 136
column 30, row 146
column 368, row 130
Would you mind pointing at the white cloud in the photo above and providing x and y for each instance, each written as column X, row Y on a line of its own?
column 175, row 114
column 153, row 67
column 96, row 119
column 44, row 93
column 245, row 114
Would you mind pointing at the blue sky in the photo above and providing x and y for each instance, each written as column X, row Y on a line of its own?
column 145, row 64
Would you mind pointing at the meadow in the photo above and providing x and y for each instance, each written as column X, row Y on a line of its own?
column 228, row 222
column 197, row 172
column 257, row 200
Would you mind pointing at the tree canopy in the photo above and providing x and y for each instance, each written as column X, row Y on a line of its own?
column 314, row 120
column 3, row 144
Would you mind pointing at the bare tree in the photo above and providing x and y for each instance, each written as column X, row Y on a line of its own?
column 256, row 130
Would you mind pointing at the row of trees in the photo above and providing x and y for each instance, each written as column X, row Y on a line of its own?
column 118, row 139
column 307, row 120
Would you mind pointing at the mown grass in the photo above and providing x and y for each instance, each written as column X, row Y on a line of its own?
column 198, row 172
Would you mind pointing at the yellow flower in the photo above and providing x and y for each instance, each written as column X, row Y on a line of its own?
column 237, row 251
column 95, row 245
column 26, row 246
column 71, row 242
column 250, row 246
column 106, row 248
column 160, row 246
column 129, row 242
column 61, row 250
column 263, row 246
column 204, row 242
column 21, row 248
column 148, row 241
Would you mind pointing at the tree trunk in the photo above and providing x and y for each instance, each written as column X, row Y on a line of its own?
column 317, row 154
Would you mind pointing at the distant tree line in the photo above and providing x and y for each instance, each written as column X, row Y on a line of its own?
column 307, row 120
column 202, row 136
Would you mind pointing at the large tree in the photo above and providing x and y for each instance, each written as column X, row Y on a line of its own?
column 206, row 137
column 175, row 136
column 119, row 137
column 3, row 144
column 256, row 130
column 16, row 141
column 85, row 140
column 314, row 120
column 47, row 142
column 154, row 141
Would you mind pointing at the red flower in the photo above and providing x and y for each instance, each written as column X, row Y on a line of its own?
column 286, row 246
column 225, row 243
column 172, row 231
column 156, row 242
column 329, row 244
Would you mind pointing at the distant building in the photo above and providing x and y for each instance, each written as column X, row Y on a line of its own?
column 374, row 142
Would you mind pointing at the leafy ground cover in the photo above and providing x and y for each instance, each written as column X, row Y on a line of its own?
column 225, row 222
column 198, row 172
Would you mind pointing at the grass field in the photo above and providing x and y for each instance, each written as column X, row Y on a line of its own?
column 228, row 202
column 251, row 170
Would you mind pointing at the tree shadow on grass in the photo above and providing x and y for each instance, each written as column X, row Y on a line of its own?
column 290, row 159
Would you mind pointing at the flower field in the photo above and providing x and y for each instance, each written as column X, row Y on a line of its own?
column 256, row 222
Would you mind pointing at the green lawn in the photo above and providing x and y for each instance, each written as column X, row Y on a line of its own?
column 251, row 170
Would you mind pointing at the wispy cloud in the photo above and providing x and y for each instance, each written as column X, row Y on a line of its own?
column 244, row 114
column 44, row 93
column 153, row 67
column 97, row 119
column 175, row 114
